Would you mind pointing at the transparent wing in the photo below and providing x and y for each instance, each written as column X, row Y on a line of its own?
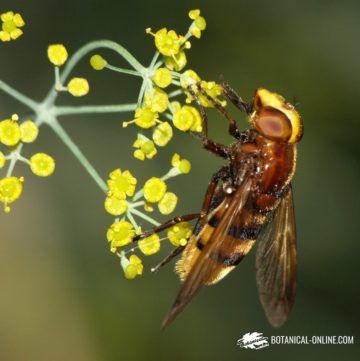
column 276, row 263
column 207, row 262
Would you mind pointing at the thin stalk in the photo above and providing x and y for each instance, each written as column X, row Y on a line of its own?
column 86, row 109
column 19, row 96
column 124, row 71
column 145, row 217
column 61, row 133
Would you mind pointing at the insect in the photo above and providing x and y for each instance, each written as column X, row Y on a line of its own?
column 249, row 199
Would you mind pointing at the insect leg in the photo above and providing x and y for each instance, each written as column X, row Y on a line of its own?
column 208, row 144
column 235, row 98
column 221, row 174
column 168, row 224
column 233, row 129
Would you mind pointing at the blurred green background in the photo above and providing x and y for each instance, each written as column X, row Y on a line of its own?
column 63, row 295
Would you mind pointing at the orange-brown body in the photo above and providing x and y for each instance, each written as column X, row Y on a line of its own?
column 273, row 166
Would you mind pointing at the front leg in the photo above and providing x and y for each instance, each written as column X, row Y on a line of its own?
column 208, row 144
column 236, row 99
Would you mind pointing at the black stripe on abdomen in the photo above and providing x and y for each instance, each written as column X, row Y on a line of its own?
column 245, row 233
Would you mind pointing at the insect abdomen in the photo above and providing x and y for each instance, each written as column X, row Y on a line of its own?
column 233, row 248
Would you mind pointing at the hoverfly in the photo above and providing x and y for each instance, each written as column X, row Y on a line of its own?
column 249, row 199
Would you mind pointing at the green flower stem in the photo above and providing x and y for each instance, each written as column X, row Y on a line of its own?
column 14, row 160
column 86, row 109
column 132, row 220
column 57, row 76
column 153, row 61
column 173, row 172
column 141, row 93
column 19, row 96
column 175, row 93
column 136, row 204
column 144, row 216
column 124, row 71
column 61, row 133
column 83, row 51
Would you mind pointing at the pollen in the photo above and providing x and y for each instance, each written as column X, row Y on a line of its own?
column 10, row 26
column 188, row 77
column 28, row 131
column 162, row 77
column 97, row 62
column 167, row 42
column 168, row 203
column 157, row 100
column 78, row 87
column 132, row 267
column 120, row 234
column 121, row 184
column 42, row 164
column 57, row 54
column 187, row 118
column 176, row 62
column 154, row 189
column 146, row 148
column 10, row 131
column 183, row 165
column 144, row 118
column 150, row 245
column 162, row 134
column 179, row 234
column 10, row 191
column 115, row 207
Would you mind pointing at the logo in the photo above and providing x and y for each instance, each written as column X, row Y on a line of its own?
column 253, row 341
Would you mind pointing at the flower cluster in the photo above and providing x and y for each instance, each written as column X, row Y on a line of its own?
column 158, row 113
column 13, row 134
column 77, row 87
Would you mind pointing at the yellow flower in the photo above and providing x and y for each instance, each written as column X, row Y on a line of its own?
column 150, row 245
column 78, row 87
column 115, row 206
column 121, row 184
column 188, row 77
column 167, row 42
column 28, row 131
column 145, row 148
column 57, row 54
column 10, row 131
column 154, row 189
column 179, row 234
column 162, row 77
column 132, row 267
column 120, row 234
column 162, row 134
column 212, row 89
column 187, row 118
column 183, row 165
column 157, row 100
column 168, row 203
column 97, row 62
column 10, row 191
column 10, row 26
column 144, row 118
column 199, row 23
column 42, row 164
column 2, row 160
column 176, row 62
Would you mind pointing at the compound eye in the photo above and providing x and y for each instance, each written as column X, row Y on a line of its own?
column 273, row 124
